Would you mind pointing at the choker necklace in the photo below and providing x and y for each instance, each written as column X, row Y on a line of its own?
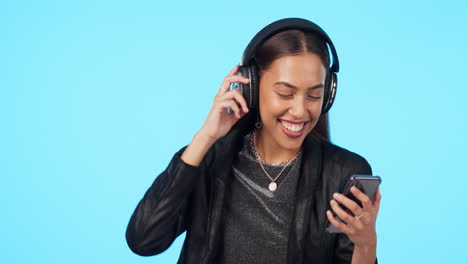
column 273, row 185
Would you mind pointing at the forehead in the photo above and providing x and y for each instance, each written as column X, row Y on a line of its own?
column 304, row 69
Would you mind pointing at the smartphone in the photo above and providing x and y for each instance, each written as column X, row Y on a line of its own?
column 367, row 184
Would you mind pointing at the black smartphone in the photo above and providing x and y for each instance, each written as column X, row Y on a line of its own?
column 367, row 184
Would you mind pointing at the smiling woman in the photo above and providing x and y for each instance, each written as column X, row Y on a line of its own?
column 255, row 186
column 291, row 93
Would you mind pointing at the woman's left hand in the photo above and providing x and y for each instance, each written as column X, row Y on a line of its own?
column 360, row 226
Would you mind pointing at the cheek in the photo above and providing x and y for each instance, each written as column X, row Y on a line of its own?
column 315, row 111
column 271, row 107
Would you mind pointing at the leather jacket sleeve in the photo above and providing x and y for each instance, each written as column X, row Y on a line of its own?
column 161, row 215
column 344, row 246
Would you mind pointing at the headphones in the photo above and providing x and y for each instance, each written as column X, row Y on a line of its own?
column 249, row 69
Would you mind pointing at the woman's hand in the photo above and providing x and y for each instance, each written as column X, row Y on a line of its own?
column 219, row 122
column 360, row 227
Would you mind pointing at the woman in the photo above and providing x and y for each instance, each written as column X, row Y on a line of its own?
column 260, row 184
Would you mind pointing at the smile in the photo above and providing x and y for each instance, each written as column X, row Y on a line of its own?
column 294, row 127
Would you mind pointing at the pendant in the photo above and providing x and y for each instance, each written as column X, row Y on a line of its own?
column 272, row 186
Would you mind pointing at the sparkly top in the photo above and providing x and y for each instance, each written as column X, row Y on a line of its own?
column 256, row 220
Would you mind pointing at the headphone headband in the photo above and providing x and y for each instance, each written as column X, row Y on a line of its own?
column 248, row 67
column 286, row 24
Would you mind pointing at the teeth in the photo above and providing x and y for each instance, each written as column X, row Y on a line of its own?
column 292, row 127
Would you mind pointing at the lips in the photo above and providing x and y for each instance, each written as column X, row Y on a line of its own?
column 292, row 129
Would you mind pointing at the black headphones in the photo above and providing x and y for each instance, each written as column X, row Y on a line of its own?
column 249, row 69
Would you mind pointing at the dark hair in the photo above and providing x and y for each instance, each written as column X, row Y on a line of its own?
column 295, row 42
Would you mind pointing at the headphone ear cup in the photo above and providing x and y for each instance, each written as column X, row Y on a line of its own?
column 326, row 90
column 331, row 83
column 254, row 85
column 245, row 89
column 249, row 91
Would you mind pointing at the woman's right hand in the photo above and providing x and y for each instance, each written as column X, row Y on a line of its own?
column 219, row 122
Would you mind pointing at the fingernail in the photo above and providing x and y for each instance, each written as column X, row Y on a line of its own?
column 335, row 195
column 353, row 188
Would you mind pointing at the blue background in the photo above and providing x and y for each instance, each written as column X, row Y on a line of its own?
column 96, row 96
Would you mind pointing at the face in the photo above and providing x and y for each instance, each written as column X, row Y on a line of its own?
column 291, row 96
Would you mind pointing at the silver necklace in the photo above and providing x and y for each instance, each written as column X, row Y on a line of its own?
column 273, row 185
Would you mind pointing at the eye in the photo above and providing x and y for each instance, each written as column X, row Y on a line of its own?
column 286, row 96
column 313, row 97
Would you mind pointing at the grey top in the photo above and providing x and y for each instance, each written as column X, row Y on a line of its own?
column 256, row 220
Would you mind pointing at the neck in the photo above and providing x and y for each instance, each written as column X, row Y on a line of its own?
column 270, row 151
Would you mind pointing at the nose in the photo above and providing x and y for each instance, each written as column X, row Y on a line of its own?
column 297, row 108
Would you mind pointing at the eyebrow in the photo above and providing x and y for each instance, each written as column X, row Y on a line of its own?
column 320, row 85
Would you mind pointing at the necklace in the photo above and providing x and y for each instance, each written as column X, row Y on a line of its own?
column 273, row 185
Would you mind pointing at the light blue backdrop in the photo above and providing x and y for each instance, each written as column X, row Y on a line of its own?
column 96, row 96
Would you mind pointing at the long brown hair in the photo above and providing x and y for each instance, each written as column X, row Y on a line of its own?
column 294, row 42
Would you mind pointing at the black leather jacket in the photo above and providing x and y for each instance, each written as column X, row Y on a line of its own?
column 188, row 198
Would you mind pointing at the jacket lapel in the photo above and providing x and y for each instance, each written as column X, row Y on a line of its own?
column 226, row 150
column 309, row 180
